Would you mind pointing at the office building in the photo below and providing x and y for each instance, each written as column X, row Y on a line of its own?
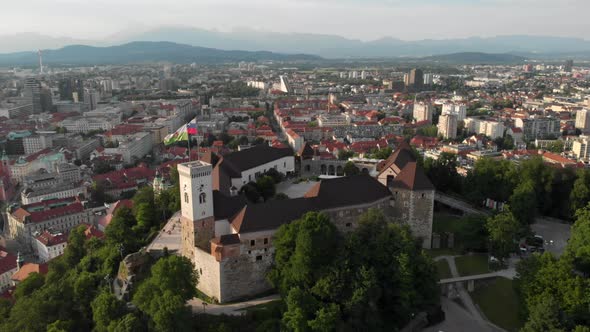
column 32, row 93
column 70, row 87
column 569, row 65
column 415, row 78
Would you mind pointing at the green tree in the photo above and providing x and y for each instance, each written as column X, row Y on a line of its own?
column 579, row 243
column 523, row 203
column 345, row 154
column 25, row 288
column 544, row 316
column 120, row 230
column 503, row 229
column 129, row 323
column 162, row 296
column 580, row 194
column 350, row 169
column 266, row 187
column 106, row 308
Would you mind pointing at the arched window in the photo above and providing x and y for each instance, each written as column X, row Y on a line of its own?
column 186, row 197
column 202, row 198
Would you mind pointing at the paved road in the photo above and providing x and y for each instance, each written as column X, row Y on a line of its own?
column 457, row 319
column 232, row 309
column 555, row 234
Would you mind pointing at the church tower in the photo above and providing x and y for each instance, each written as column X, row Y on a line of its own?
column 196, row 201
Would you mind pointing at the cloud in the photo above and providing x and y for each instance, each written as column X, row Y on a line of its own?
column 365, row 19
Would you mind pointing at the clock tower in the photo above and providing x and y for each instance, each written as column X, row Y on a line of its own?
column 196, row 201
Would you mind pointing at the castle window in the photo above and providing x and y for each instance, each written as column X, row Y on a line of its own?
column 348, row 224
column 265, row 249
column 249, row 252
column 186, row 197
column 201, row 271
column 422, row 195
column 252, row 243
column 258, row 258
column 265, row 240
column 202, row 198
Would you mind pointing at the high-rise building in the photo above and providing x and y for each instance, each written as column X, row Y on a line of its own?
column 569, row 65
column 447, row 126
column 91, row 98
column 32, row 92
column 423, row 112
column 583, row 120
column 428, row 79
column 68, row 86
column 415, row 78
column 455, row 108
column 285, row 85
column 581, row 148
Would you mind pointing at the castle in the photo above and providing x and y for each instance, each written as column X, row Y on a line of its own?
column 231, row 242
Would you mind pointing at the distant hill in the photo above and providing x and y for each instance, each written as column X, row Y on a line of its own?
column 143, row 52
column 476, row 58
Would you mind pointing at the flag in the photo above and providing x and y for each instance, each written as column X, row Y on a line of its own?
column 192, row 128
column 180, row 135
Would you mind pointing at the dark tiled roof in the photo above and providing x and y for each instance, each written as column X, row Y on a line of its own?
column 225, row 207
column 328, row 194
column 413, row 178
column 270, row 215
column 235, row 163
column 306, row 151
column 227, row 240
column 400, row 157
column 346, row 191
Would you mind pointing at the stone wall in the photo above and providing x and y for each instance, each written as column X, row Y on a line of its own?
column 245, row 276
column 346, row 219
column 209, row 274
column 416, row 209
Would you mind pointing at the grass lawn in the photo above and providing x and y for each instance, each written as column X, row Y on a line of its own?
column 443, row 252
column 444, row 222
column 499, row 304
column 442, row 266
column 472, row 264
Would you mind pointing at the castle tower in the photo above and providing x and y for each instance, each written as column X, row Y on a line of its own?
column 196, row 196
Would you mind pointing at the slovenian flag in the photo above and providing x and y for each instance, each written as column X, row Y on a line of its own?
column 180, row 135
column 192, row 127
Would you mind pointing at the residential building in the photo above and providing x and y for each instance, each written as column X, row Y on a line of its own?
column 134, row 147
column 583, row 120
column 539, row 127
column 49, row 245
column 38, row 142
column 32, row 93
column 332, row 120
column 423, row 112
column 453, row 108
column 8, row 267
column 581, row 148
column 59, row 214
column 447, row 126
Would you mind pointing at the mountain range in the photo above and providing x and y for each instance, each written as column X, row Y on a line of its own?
column 141, row 52
column 328, row 46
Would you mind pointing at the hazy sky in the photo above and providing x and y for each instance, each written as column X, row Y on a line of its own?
column 364, row 19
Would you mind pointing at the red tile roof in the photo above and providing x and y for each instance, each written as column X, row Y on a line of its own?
column 7, row 261
column 49, row 240
column 27, row 269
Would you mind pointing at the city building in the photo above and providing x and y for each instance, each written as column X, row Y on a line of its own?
column 285, row 85
column 70, row 87
column 581, row 148
column 415, row 78
column 423, row 112
column 454, row 108
column 32, row 93
column 38, row 142
column 447, row 126
column 539, row 127
column 583, row 120
column 490, row 128
column 8, row 267
column 49, row 245
column 236, row 169
column 62, row 215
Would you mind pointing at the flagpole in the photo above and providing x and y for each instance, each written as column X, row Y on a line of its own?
column 189, row 145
